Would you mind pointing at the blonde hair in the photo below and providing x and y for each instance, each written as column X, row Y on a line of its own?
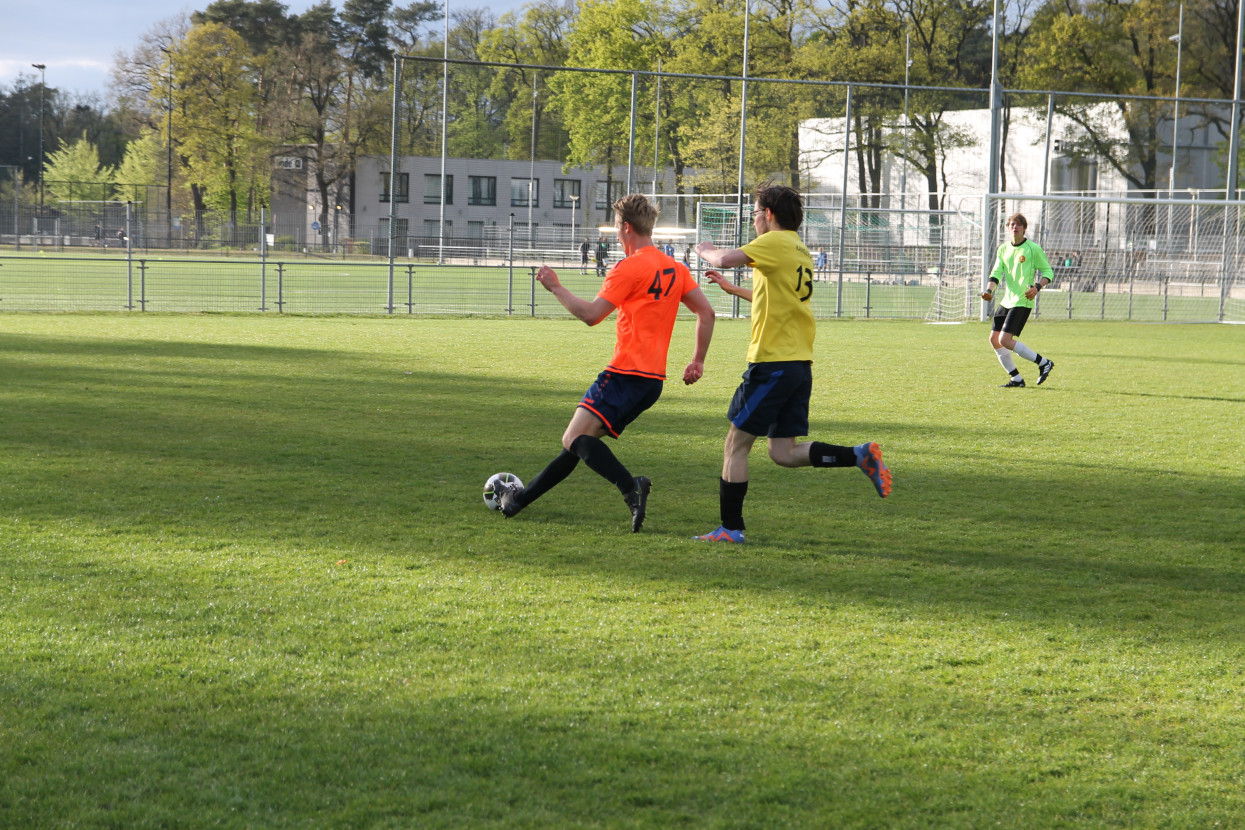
column 636, row 210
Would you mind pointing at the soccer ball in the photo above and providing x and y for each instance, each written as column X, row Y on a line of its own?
column 490, row 496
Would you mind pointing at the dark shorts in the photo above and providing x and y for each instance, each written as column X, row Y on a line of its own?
column 1011, row 320
column 619, row 399
column 773, row 399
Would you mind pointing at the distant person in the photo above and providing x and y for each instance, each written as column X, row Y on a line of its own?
column 823, row 261
column 603, row 256
column 687, row 255
column 670, row 249
column 1020, row 267
column 584, row 250
column 774, row 397
column 647, row 288
column 99, row 236
column 121, row 237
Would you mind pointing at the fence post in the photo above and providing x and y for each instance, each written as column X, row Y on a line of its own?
column 1132, row 278
column 280, row 287
column 847, row 146
column 510, row 270
column 533, row 300
column 263, row 261
column 142, row 284
column 410, row 288
column 129, row 258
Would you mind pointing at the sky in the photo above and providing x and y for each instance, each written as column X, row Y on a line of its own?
column 77, row 39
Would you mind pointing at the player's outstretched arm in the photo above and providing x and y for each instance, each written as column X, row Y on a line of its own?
column 721, row 257
column 589, row 311
column 698, row 304
column 718, row 279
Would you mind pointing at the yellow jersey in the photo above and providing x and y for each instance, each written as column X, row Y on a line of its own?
column 782, row 285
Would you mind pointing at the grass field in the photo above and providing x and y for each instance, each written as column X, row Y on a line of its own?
column 247, row 580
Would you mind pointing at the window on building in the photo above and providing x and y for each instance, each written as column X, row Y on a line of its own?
column 483, row 190
column 404, row 188
column 563, row 190
column 603, row 199
column 520, row 190
column 432, row 186
column 432, row 228
column 475, row 230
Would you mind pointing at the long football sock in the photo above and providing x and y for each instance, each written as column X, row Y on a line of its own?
column 1005, row 358
column 1027, row 353
column 731, row 503
column 831, row 455
column 603, row 462
column 553, row 474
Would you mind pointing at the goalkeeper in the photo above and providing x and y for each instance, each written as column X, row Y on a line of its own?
column 1021, row 270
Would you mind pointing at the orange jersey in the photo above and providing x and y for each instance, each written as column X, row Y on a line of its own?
column 646, row 288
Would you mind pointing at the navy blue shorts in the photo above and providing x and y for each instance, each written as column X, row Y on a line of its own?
column 773, row 399
column 619, row 399
column 1011, row 320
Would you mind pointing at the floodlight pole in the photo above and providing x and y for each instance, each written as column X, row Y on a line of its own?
column 907, row 128
column 43, row 85
column 393, row 173
column 1171, row 175
column 988, row 220
column 1234, row 151
column 631, row 141
column 657, row 131
column 168, row 196
column 445, row 94
column 574, row 202
column 743, row 134
column 531, row 170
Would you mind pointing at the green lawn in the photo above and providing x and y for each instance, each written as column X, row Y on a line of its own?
column 247, row 580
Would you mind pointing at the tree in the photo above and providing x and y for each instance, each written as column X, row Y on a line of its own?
column 73, row 174
column 538, row 37
column 214, row 114
column 1104, row 46
column 142, row 166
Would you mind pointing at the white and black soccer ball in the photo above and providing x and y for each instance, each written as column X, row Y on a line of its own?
column 490, row 488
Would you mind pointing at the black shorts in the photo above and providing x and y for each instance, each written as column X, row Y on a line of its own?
column 1011, row 320
column 619, row 399
column 773, row 399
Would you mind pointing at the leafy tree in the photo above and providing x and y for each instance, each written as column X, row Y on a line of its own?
column 214, row 116
column 596, row 108
column 537, row 37
column 73, row 174
column 1107, row 47
column 143, row 164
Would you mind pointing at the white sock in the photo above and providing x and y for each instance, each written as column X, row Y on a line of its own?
column 1005, row 357
column 1025, row 352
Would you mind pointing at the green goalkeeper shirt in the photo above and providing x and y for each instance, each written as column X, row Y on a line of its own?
column 1017, row 267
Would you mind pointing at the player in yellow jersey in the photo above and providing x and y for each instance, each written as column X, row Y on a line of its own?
column 646, row 286
column 773, row 398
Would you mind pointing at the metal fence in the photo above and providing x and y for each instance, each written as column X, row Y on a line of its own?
column 1112, row 259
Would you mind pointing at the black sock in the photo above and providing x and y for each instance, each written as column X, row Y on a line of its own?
column 731, row 503
column 603, row 462
column 831, row 455
column 553, row 474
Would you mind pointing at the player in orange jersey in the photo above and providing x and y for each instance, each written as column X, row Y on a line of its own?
column 646, row 287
